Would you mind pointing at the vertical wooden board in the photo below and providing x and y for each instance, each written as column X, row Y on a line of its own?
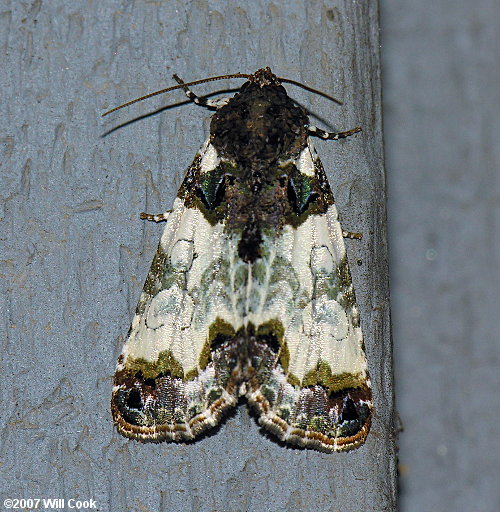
column 442, row 122
column 76, row 253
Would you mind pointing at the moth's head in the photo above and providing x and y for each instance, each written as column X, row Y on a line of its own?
column 264, row 77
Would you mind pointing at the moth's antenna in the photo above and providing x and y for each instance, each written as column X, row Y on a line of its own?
column 213, row 79
column 310, row 89
column 179, row 86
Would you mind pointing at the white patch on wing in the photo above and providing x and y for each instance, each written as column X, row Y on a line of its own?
column 322, row 260
column 209, row 158
column 195, row 292
column 181, row 257
column 305, row 163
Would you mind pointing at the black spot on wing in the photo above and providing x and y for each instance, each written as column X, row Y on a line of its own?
column 134, row 400
column 300, row 194
column 349, row 412
column 212, row 190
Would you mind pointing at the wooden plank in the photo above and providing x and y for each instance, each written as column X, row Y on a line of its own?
column 441, row 124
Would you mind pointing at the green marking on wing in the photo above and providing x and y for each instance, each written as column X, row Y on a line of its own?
column 218, row 330
column 166, row 364
column 323, row 376
column 154, row 282
column 347, row 299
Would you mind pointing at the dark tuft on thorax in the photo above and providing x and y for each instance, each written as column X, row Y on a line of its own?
column 258, row 126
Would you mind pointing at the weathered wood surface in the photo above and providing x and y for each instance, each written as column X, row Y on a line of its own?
column 75, row 253
column 442, row 120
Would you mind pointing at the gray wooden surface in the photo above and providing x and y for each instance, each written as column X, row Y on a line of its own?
column 75, row 254
column 442, row 122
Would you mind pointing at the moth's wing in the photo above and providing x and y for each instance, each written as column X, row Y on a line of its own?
column 310, row 384
column 174, row 376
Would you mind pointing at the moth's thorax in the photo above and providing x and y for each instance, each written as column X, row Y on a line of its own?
column 259, row 126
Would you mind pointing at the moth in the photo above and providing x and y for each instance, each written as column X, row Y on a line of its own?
column 249, row 293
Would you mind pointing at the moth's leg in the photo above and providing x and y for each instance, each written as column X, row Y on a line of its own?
column 318, row 132
column 159, row 217
column 203, row 102
column 349, row 234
